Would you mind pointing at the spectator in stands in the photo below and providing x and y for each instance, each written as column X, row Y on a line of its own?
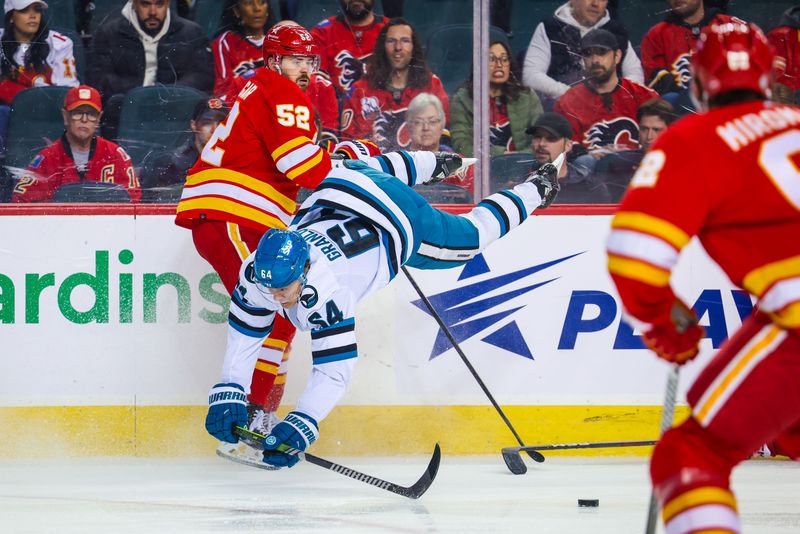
column 426, row 119
column 553, row 60
column 786, row 40
column 32, row 55
column 602, row 109
column 80, row 155
column 616, row 170
column 513, row 108
column 396, row 73
column 237, row 50
column 169, row 168
column 346, row 41
column 317, row 86
column 552, row 134
column 145, row 45
column 667, row 46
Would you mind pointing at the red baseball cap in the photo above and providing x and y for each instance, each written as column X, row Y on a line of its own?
column 83, row 95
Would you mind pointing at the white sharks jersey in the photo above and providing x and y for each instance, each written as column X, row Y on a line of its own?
column 352, row 256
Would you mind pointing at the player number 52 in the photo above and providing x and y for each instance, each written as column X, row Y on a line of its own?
column 290, row 115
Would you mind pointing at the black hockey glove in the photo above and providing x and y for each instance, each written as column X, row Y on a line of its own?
column 447, row 163
column 545, row 178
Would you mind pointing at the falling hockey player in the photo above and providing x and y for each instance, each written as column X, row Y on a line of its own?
column 349, row 239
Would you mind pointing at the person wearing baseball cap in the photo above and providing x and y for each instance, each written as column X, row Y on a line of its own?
column 552, row 135
column 80, row 155
column 168, row 168
column 33, row 55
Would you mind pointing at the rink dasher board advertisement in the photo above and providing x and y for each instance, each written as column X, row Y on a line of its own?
column 119, row 310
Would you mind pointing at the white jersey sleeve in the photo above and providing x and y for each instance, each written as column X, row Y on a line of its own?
column 61, row 60
column 410, row 168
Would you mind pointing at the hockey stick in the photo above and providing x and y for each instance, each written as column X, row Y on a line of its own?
column 667, row 415
column 415, row 491
column 533, row 454
column 517, row 466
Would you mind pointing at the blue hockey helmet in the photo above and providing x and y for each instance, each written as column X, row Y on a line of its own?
column 280, row 258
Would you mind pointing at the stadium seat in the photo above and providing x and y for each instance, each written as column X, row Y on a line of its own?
column 207, row 14
column 449, row 53
column 98, row 192
column 442, row 193
column 78, row 51
column 312, row 12
column 156, row 118
column 162, row 195
column 507, row 170
column 429, row 15
column 61, row 14
column 35, row 122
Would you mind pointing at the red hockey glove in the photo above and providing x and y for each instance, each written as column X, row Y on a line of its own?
column 676, row 339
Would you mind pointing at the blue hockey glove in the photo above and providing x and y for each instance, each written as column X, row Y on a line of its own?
column 227, row 406
column 297, row 431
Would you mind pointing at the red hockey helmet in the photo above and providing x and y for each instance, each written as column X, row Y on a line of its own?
column 289, row 40
column 729, row 56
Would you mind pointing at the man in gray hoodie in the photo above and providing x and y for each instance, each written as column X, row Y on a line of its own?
column 553, row 61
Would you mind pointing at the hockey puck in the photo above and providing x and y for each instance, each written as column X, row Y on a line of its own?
column 588, row 503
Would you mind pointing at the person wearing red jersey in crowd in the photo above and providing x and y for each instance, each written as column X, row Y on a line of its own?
column 247, row 179
column 32, row 55
column 786, row 40
column 79, row 156
column 667, row 46
column 237, row 50
column 729, row 172
column 346, row 41
column 602, row 109
column 318, row 88
column 396, row 73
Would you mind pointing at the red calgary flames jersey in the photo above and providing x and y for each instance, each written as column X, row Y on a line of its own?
column 254, row 164
column 376, row 114
column 344, row 48
column 731, row 178
column 666, row 49
column 786, row 41
column 234, row 56
column 608, row 119
column 54, row 166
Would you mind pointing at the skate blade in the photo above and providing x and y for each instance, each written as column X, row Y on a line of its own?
column 242, row 454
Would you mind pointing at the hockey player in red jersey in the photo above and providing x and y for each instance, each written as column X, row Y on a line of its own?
column 246, row 181
column 346, row 41
column 728, row 175
column 249, row 57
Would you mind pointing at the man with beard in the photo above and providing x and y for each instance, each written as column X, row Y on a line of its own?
column 667, row 46
column 552, row 135
column 396, row 73
column 246, row 182
column 346, row 41
column 602, row 109
column 146, row 45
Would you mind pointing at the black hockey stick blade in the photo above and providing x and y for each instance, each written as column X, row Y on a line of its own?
column 517, row 466
column 415, row 491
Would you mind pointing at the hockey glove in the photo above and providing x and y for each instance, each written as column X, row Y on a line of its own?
column 447, row 163
column 227, row 406
column 677, row 339
column 545, row 178
column 296, row 431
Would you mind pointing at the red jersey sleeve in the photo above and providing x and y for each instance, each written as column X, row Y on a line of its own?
column 125, row 174
column 437, row 89
column 323, row 97
column 354, row 124
column 40, row 181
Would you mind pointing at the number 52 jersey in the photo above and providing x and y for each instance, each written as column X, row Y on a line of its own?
column 251, row 169
column 731, row 176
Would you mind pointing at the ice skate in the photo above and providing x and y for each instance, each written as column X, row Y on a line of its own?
column 260, row 421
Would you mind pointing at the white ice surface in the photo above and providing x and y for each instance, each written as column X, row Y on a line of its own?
column 122, row 496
